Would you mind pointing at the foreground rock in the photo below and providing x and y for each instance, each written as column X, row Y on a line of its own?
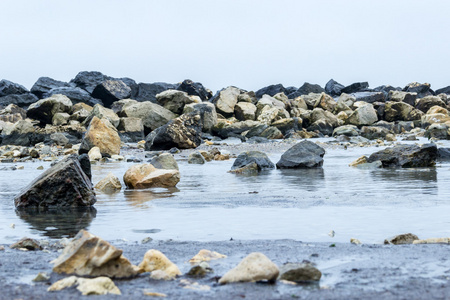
column 305, row 154
column 109, row 185
column 299, row 272
column 155, row 260
column 255, row 267
column 147, row 176
column 89, row 255
column 63, row 185
column 406, row 156
column 94, row 286
column 102, row 134
column 183, row 133
column 401, row 239
column 259, row 158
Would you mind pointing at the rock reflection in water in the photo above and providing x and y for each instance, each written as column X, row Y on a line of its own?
column 422, row 179
column 58, row 223
column 307, row 179
column 138, row 198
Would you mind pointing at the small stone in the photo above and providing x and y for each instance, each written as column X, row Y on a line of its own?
column 40, row 168
column 146, row 176
column 154, row 294
column 109, row 185
column 299, row 272
column 2, row 248
column 26, row 243
column 206, row 255
column 146, row 240
column 161, row 275
column 97, row 286
column 192, row 285
column 156, row 260
column 433, row 241
column 41, row 276
column 63, row 283
column 12, row 225
column 196, row 158
column 95, row 154
column 359, row 161
column 199, row 271
column 332, row 233
column 355, row 241
column 401, row 239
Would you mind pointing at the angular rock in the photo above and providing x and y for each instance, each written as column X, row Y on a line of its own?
column 422, row 90
column 101, row 112
column 45, row 109
column 148, row 91
column 261, row 159
column 321, row 126
column 226, row 99
column 206, row 255
column 207, row 112
column 347, row 130
column 59, row 139
column 196, row 158
column 406, row 156
column 101, row 133
column 364, row 115
column 45, row 84
column 355, row 87
column 94, row 286
column 110, row 91
column 94, row 154
column 438, row 131
column 173, row 100
column 22, row 100
column 445, row 90
column 435, row 118
column 75, row 94
column 401, row 111
column 63, row 185
column 270, row 90
column 195, row 89
column 26, row 243
column 306, row 89
column 21, row 133
column 401, row 239
column 400, row 96
column 164, row 161
column 245, row 111
column 299, row 272
column 131, row 129
column 10, row 88
column 305, row 154
column 155, row 260
column 369, row 97
column 424, row 104
column 145, row 176
column 333, row 88
column 183, row 132
column 109, row 185
column 89, row 255
column 88, row 81
column 255, row 267
column 374, row 132
column 60, row 119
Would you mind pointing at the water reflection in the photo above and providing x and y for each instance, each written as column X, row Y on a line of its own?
column 424, row 179
column 139, row 198
column 307, row 179
column 58, row 223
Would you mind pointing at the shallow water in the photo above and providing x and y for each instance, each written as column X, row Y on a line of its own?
column 211, row 204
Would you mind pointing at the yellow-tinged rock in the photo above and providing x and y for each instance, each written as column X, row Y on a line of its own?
column 94, row 286
column 436, row 109
column 89, row 255
column 433, row 241
column 156, row 260
column 161, row 275
column 95, row 154
column 209, row 143
column 146, row 176
column 103, row 134
column 154, row 294
column 63, row 283
column 255, row 267
column 359, row 161
column 110, row 184
column 206, row 255
column 355, row 241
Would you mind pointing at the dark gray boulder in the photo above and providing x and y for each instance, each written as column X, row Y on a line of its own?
column 134, row 87
column 270, row 90
column 299, row 272
column 422, row 89
column 261, row 159
column 305, row 154
column 444, row 154
column 45, row 84
column 425, row 103
column 355, row 87
column 369, row 97
column 45, row 109
column 184, row 132
column 88, row 81
column 195, row 89
column 148, row 91
column 10, row 88
column 385, row 89
column 406, row 156
column 110, row 91
column 63, row 185
column 225, row 130
column 305, row 89
column 75, row 94
column 445, row 90
column 22, row 100
column 333, row 88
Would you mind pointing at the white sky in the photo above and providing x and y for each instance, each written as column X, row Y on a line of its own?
column 249, row 44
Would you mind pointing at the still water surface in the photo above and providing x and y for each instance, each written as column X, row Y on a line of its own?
column 211, row 204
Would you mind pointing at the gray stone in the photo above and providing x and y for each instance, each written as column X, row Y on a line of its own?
column 261, row 159
column 110, row 91
column 207, row 112
column 101, row 112
column 196, row 158
column 245, row 111
column 406, row 156
column 401, row 239
column 173, row 100
column 226, row 99
column 45, row 109
column 299, row 272
column 164, row 161
column 305, row 154
column 364, row 115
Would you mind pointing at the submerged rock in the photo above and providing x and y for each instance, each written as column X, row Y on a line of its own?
column 406, row 156
column 305, row 154
column 246, row 158
column 401, row 239
column 196, row 158
column 89, row 255
column 63, row 185
column 110, row 184
column 146, row 176
column 255, row 267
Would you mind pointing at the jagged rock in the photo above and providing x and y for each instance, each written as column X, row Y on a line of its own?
column 131, row 129
column 422, row 90
column 318, row 114
column 89, row 255
column 261, row 159
column 94, row 154
column 249, row 97
column 374, row 132
column 400, row 96
column 110, row 91
column 59, row 139
column 164, row 161
column 401, row 111
column 355, row 87
column 75, row 94
column 22, row 100
column 445, row 90
column 173, row 100
column 424, row 104
column 206, row 255
column 199, row 271
column 63, row 185
column 226, row 99
column 45, row 109
column 152, row 115
column 323, row 126
column 406, row 156
column 245, row 111
column 10, row 88
column 101, row 112
column 148, row 91
column 306, row 89
column 288, row 124
column 155, row 260
column 333, row 88
column 196, row 158
column 101, row 133
column 255, row 267
column 88, row 81
column 359, row 161
column 21, row 133
column 438, row 131
column 299, row 272
column 434, row 118
column 364, row 115
column 305, row 154
column 26, row 243
column 195, row 89
column 270, row 90
column 45, row 84
column 401, row 239
column 347, row 130
column 267, row 115
column 110, row 184
column 369, row 97
column 147, row 176
column 347, row 99
column 207, row 112
column 60, row 119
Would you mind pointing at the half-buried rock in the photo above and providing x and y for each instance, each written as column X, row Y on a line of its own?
column 63, row 185
column 406, row 156
column 89, row 255
column 102, row 134
column 305, row 154
column 261, row 160
column 147, row 176
column 255, row 267
column 156, row 261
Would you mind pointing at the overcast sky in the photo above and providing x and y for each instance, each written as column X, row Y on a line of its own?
column 249, row 44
